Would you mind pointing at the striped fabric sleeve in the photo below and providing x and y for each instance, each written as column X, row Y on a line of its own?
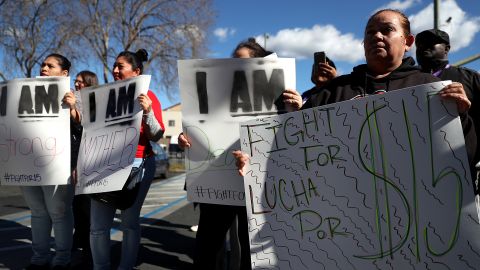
column 154, row 130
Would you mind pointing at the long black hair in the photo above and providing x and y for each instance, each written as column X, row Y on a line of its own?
column 135, row 59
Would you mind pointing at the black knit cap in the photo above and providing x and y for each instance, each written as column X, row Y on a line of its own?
column 432, row 36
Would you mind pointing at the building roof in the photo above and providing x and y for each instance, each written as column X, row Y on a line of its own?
column 174, row 107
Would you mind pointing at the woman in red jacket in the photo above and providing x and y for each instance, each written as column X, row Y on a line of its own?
column 128, row 65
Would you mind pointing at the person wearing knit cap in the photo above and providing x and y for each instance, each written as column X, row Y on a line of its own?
column 433, row 46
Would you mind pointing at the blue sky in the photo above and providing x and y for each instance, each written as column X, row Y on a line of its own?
column 299, row 28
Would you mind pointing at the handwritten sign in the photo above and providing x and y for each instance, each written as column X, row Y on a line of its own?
column 111, row 128
column 216, row 96
column 34, row 132
column 377, row 183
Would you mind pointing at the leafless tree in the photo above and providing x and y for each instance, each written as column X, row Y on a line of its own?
column 97, row 30
column 94, row 20
column 168, row 29
column 29, row 31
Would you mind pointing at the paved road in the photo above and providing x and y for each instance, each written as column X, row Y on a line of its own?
column 167, row 242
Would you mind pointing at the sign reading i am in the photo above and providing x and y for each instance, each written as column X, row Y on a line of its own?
column 218, row 94
column 34, row 132
column 111, row 129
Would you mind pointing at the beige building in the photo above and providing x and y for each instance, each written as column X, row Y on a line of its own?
column 172, row 119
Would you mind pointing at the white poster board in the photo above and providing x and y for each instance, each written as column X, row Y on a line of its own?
column 34, row 132
column 111, row 123
column 376, row 183
column 217, row 94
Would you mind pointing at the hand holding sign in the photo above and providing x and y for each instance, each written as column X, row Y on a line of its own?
column 183, row 141
column 241, row 161
column 456, row 93
column 145, row 103
column 292, row 99
column 70, row 100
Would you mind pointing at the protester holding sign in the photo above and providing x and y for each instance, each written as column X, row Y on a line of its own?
column 212, row 229
column 128, row 65
column 51, row 205
column 216, row 219
column 387, row 39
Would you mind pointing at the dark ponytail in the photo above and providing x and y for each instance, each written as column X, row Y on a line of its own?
column 142, row 55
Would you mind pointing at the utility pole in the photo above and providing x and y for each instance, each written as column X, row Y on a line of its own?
column 265, row 37
column 467, row 60
column 436, row 14
column 436, row 18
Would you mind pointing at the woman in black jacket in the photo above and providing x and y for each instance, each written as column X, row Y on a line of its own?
column 386, row 40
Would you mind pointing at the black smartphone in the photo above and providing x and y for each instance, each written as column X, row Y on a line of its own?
column 318, row 57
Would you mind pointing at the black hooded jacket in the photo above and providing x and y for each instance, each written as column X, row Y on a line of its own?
column 359, row 84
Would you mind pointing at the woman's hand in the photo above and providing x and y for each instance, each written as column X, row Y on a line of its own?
column 70, row 99
column 292, row 99
column 74, row 177
column 242, row 161
column 183, row 141
column 455, row 92
column 145, row 103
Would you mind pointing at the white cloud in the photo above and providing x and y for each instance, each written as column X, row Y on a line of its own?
column 461, row 28
column 400, row 5
column 301, row 43
column 224, row 33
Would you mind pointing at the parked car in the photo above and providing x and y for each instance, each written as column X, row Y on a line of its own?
column 175, row 151
column 161, row 161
